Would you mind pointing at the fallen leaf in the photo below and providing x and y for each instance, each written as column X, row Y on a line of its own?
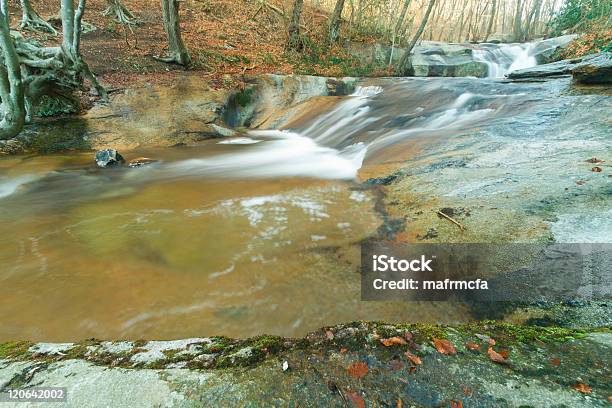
column 343, row 350
column 358, row 369
column 582, row 387
column 415, row 359
column 504, row 353
column 329, row 335
column 393, row 341
column 472, row 346
column 456, row 404
column 495, row 356
column 356, row 399
column 555, row 361
column 399, row 403
column 408, row 336
column 444, row 346
column 486, row 338
column 593, row 160
column 596, row 169
column 411, row 369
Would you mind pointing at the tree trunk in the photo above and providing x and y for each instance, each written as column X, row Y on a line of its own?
column 401, row 68
column 30, row 20
column 121, row 13
column 517, row 21
column 295, row 43
column 11, row 84
column 491, row 20
column 176, row 48
column 334, row 22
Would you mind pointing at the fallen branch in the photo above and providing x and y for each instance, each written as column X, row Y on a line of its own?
column 451, row 219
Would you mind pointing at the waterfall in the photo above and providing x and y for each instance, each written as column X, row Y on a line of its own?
column 504, row 58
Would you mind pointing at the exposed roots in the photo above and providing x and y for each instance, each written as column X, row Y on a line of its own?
column 121, row 13
column 33, row 22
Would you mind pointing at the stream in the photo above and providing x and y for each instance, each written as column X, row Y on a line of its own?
column 261, row 233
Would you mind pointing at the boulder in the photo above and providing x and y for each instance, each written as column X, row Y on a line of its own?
column 547, row 51
column 430, row 63
column 596, row 70
column 558, row 68
column 108, row 157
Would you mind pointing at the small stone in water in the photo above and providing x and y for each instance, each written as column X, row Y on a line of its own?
column 140, row 161
column 108, row 157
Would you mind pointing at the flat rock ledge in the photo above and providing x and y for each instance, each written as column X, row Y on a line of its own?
column 484, row 364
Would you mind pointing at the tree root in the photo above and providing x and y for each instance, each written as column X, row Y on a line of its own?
column 121, row 13
column 33, row 22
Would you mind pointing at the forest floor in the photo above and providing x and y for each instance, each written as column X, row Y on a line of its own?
column 226, row 39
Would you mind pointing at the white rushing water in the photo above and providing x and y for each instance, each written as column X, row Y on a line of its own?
column 504, row 58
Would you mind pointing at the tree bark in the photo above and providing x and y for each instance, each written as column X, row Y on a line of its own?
column 11, row 84
column 176, row 48
column 334, row 23
column 517, row 21
column 30, row 20
column 491, row 20
column 401, row 68
column 295, row 43
column 121, row 13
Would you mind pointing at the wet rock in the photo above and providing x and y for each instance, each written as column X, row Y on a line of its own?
column 108, row 157
column 596, row 70
column 141, row 161
column 547, row 51
column 563, row 67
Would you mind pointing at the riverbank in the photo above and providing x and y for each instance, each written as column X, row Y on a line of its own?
column 485, row 364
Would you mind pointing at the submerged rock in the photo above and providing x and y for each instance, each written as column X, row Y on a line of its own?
column 141, row 161
column 596, row 70
column 108, row 157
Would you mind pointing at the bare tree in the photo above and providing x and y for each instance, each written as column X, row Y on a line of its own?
column 177, row 52
column 518, row 32
column 121, row 13
column 294, row 26
column 334, row 22
column 401, row 67
column 30, row 20
column 491, row 20
column 29, row 71
column 11, row 84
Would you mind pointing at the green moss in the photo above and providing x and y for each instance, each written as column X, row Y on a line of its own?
column 49, row 106
column 507, row 333
column 15, row 349
column 244, row 97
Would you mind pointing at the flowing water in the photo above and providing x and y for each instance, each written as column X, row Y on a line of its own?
column 248, row 235
column 504, row 58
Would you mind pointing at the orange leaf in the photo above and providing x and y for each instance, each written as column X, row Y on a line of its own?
column 444, row 346
column 504, row 353
column 457, row 404
column 356, row 399
column 555, row 361
column 393, row 341
column 495, row 356
column 343, row 350
column 415, row 359
column 472, row 346
column 582, row 387
column 358, row 369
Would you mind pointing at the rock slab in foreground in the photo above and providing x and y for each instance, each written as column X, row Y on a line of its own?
column 485, row 364
column 597, row 70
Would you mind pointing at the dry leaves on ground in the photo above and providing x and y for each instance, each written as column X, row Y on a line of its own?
column 356, row 399
column 358, row 369
column 495, row 356
column 393, row 341
column 582, row 387
column 444, row 346
column 472, row 346
column 413, row 358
